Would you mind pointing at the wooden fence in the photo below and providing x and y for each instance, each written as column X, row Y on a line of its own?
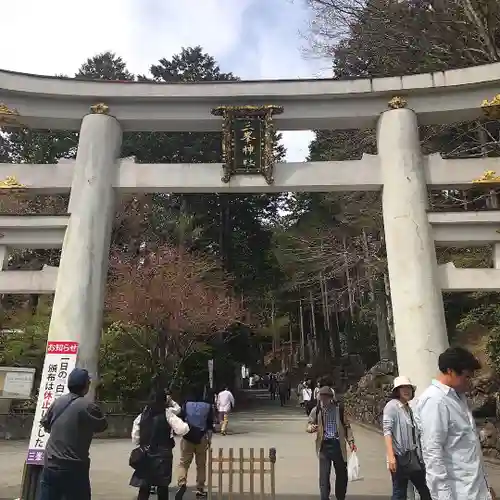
column 254, row 468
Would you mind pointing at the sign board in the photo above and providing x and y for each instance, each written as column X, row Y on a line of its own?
column 60, row 359
column 16, row 383
column 211, row 373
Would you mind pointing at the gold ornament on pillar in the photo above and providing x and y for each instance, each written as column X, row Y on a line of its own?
column 488, row 177
column 99, row 109
column 491, row 109
column 9, row 117
column 11, row 185
column 398, row 102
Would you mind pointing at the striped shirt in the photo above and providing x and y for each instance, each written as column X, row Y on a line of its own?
column 398, row 424
column 330, row 422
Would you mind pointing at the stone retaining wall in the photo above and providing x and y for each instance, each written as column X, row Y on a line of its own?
column 366, row 400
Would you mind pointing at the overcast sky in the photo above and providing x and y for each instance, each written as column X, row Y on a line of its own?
column 254, row 39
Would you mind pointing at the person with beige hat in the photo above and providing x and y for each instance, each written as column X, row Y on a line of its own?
column 401, row 442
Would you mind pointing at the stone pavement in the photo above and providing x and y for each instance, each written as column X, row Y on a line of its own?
column 270, row 426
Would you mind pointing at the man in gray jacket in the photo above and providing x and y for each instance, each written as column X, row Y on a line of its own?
column 71, row 421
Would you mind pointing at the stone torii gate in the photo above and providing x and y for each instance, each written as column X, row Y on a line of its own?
column 102, row 111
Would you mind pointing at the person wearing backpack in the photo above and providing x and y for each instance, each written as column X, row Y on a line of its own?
column 72, row 421
column 199, row 415
column 333, row 432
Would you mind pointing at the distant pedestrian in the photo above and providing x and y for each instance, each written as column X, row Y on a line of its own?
column 72, row 422
column 225, row 405
column 316, row 390
column 283, row 390
column 272, row 386
column 300, row 396
column 307, row 397
column 450, row 445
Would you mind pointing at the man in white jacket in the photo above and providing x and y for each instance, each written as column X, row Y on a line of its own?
column 225, row 404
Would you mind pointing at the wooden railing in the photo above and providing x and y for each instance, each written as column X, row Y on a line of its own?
column 256, row 469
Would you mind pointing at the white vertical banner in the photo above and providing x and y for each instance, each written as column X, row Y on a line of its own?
column 211, row 373
column 60, row 360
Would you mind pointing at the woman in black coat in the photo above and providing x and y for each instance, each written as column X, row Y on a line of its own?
column 154, row 429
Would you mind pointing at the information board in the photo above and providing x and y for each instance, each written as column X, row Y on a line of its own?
column 60, row 360
column 16, row 383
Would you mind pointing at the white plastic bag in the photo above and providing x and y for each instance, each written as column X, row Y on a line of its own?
column 353, row 469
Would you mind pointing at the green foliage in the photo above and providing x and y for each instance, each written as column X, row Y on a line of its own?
column 493, row 348
column 24, row 341
column 105, row 66
column 486, row 317
column 125, row 365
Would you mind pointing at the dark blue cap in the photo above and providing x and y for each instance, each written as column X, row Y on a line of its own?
column 79, row 377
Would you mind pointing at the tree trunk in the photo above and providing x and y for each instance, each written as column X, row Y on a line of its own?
column 273, row 326
column 333, row 330
column 390, row 323
column 486, row 35
column 302, row 336
column 383, row 334
column 378, row 298
column 328, row 344
column 225, row 232
column 340, row 334
column 348, row 279
column 313, row 325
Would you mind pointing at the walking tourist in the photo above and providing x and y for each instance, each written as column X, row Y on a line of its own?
column 71, row 421
column 153, row 435
column 283, row 389
column 288, row 386
column 300, row 396
column 307, row 397
column 401, row 442
column 328, row 420
column 225, row 404
column 316, row 390
column 198, row 413
column 272, row 386
column 450, row 445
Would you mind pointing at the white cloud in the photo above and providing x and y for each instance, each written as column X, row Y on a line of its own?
column 163, row 27
column 56, row 36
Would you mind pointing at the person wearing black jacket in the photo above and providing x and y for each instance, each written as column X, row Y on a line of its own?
column 72, row 422
column 153, row 430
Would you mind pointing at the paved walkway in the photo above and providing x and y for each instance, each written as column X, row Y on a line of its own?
column 296, row 467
